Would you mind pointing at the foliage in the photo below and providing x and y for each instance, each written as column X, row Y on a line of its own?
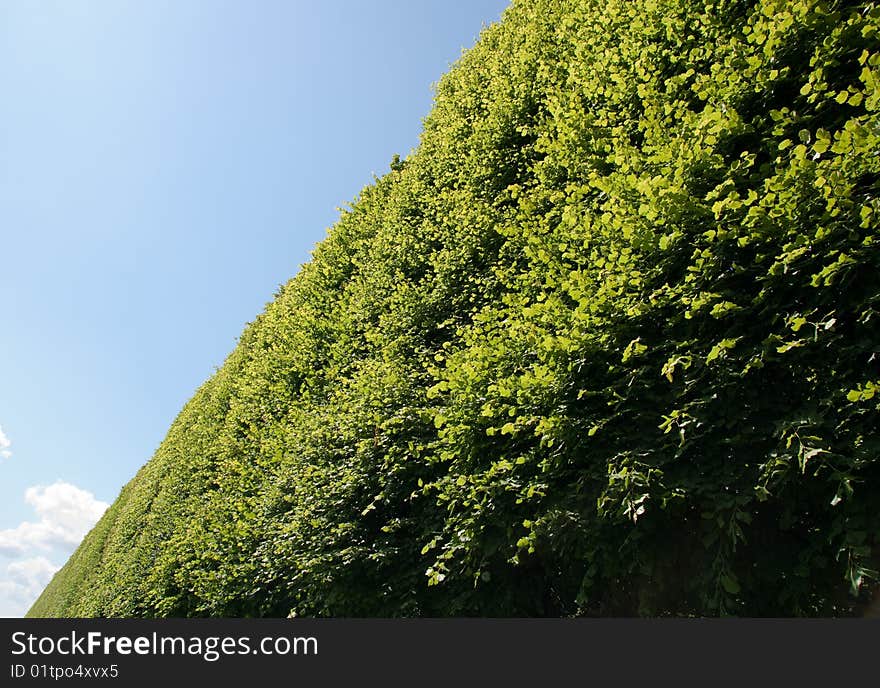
column 606, row 343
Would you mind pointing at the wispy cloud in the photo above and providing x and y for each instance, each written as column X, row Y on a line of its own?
column 65, row 513
column 5, row 452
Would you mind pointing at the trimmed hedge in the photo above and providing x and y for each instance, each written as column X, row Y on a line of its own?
column 606, row 343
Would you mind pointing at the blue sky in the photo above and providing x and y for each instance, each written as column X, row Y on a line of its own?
column 164, row 166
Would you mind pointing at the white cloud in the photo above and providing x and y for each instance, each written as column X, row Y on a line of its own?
column 74, row 510
column 23, row 583
column 5, row 452
column 65, row 514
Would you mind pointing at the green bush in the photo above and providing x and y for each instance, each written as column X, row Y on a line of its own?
column 606, row 343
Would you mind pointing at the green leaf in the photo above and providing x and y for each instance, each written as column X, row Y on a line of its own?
column 730, row 584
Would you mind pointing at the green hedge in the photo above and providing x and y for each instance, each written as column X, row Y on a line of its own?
column 606, row 343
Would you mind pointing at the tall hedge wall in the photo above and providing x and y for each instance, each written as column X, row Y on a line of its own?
column 605, row 343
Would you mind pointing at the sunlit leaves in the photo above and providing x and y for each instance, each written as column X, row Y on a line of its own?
column 605, row 343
